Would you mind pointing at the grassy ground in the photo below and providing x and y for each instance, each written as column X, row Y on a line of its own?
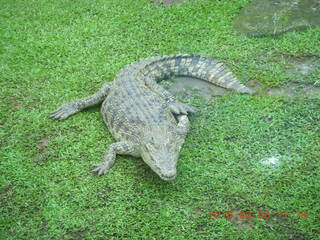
column 254, row 153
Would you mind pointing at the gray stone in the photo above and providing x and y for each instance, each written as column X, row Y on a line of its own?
column 271, row 17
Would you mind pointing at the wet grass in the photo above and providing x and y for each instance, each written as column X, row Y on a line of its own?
column 52, row 52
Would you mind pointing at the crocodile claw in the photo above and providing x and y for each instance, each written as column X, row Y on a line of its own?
column 181, row 108
column 100, row 168
column 64, row 111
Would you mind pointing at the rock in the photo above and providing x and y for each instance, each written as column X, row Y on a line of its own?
column 271, row 17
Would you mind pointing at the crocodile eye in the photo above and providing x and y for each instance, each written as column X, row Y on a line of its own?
column 145, row 147
column 149, row 146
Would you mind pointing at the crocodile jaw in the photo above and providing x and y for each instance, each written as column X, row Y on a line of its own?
column 168, row 177
column 161, row 161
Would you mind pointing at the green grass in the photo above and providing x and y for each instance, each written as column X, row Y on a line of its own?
column 55, row 51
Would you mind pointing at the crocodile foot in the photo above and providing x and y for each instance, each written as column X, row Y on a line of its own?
column 181, row 108
column 101, row 168
column 64, row 111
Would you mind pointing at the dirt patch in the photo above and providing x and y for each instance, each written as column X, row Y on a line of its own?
column 303, row 69
column 303, row 66
column 43, row 151
column 188, row 87
column 43, row 142
column 294, row 90
column 272, row 219
column 239, row 221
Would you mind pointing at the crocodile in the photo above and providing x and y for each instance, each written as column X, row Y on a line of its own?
column 144, row 118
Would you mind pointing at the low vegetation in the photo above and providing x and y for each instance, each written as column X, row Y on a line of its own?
column 245, row 153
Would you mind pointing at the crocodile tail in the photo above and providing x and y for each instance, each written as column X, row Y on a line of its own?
column 204, row 68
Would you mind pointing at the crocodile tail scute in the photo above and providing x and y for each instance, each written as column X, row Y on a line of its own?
column 204, row 68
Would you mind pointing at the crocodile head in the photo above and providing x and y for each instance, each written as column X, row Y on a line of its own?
column 160, row 149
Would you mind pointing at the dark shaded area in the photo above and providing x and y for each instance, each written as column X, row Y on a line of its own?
column 271, row 17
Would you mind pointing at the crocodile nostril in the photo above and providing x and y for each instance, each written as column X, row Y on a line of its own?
column 169, row 175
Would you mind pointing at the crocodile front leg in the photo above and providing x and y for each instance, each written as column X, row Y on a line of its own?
column 174, row 106
column 76, row 106
column 123, row 147
column 183, row 129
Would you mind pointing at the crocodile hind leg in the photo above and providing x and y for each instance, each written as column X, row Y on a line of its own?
column 124, row 147
column 175, row 106
column 76, row 106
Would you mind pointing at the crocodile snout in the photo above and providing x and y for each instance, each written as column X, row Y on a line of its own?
column 169, row 174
